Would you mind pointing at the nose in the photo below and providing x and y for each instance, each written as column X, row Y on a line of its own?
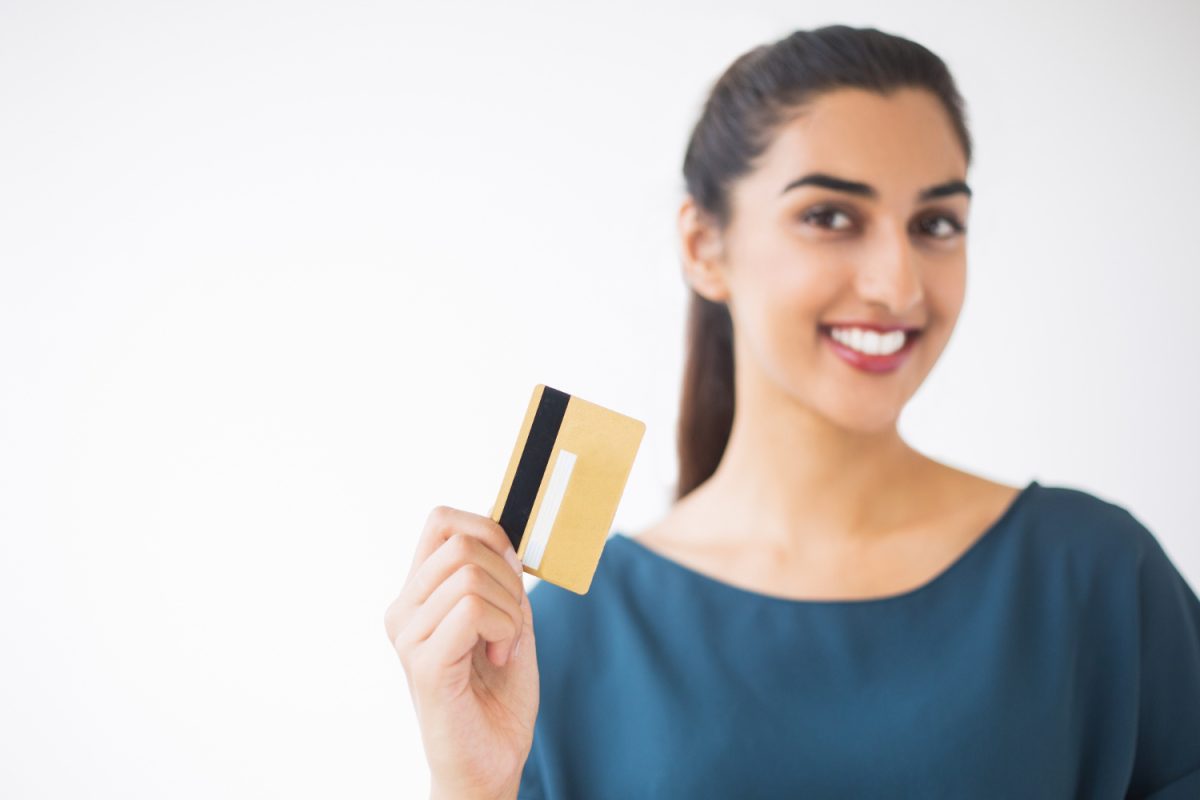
column 889, row 275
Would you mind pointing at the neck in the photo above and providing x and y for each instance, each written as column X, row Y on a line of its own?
column 792, row 477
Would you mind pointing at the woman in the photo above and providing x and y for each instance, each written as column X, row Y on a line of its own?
column 825, row 611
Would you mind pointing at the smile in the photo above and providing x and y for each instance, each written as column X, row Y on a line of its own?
column 868, row 350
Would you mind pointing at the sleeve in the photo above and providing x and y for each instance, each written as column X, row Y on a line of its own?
column 1167, row 762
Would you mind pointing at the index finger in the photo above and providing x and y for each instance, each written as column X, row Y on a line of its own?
column 444, row 521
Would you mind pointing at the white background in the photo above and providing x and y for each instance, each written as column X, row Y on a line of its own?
column 277, row 278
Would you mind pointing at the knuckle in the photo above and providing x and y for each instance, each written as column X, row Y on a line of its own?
column 394, row 617
column 399, row 636
column 403, row 648
column 474, row 607
column 498, row 534
column 472, row 577
column 460, row 546
column 438, row 516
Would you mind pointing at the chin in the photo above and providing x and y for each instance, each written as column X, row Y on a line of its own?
column 860, row 414
column 866, row 424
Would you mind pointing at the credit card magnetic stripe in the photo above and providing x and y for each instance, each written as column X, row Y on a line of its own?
column 531, row 469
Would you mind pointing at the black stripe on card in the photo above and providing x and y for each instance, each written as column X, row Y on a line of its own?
column 539, row 445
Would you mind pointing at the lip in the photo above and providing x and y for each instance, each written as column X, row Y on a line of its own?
column 871, row 326
column 870, row 363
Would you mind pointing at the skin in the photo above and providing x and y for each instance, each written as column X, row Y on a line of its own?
column 817, row 496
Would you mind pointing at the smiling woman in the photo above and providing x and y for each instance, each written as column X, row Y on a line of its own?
column 824, row 611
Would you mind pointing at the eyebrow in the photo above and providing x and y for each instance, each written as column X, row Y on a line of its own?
column 866, row 190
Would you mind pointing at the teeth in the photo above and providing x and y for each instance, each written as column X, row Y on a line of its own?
column 870, row 342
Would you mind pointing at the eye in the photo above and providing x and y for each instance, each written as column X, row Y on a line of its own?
column 940, row 226
column 833, row 219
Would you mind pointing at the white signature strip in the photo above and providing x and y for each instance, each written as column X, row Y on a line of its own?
column 548, row 511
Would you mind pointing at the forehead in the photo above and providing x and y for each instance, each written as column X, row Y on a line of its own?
column 899, row 143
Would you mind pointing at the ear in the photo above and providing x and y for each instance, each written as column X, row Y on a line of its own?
column 703, row 252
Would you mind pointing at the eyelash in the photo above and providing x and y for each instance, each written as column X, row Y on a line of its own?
column 956, row 226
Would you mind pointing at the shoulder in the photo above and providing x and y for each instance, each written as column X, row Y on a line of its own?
column 1076, row 520
column 1094, row 543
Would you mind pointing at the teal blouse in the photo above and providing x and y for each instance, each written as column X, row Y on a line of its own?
column 1058, row 657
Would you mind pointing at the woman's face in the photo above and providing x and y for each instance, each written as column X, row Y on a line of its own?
column 881, row 243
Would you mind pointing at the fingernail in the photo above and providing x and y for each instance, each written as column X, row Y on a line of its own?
column 517, row 646
column 511, row 555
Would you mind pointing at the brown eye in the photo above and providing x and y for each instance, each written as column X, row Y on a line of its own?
column 828, row 217
column 940, row 226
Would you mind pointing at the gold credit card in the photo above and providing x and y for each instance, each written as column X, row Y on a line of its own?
column 564, row 480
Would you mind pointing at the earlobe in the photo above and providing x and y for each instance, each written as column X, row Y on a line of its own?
column 702, row 254
column 706, row 280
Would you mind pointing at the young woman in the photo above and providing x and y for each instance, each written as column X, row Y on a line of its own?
column 824, row 611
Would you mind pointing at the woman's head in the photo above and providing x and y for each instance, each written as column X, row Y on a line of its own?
column 875, row 126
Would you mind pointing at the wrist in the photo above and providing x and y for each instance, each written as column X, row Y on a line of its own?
column 438, row 792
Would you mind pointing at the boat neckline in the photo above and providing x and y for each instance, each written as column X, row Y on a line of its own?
column 971, row 553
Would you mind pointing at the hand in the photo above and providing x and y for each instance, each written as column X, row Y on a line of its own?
column 455, row 625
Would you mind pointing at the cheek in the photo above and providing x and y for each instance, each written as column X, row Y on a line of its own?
column 780, row 276
column 945, row 290
column 781, row 306
column 780, row 290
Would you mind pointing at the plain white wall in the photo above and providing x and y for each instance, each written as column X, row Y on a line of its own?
column 277, row 278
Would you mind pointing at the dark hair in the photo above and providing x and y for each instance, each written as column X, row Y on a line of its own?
column 745, row 106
